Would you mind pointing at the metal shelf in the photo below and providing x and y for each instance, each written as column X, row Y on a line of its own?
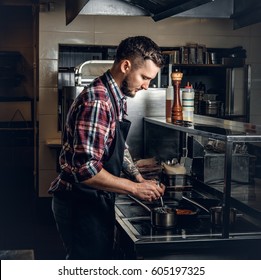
column 221, row 129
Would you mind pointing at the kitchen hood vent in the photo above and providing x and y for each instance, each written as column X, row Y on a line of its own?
column 242, row 12
column 73, row 8
column 164, row 9
column 156, row 9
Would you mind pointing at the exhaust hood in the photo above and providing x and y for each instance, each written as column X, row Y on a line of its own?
column 156, row 9
column 242, row 12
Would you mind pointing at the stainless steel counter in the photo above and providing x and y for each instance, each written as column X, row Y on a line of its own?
column 138, row 239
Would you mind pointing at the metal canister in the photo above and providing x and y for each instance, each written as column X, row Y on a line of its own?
column 216, row 215
column 211, row 107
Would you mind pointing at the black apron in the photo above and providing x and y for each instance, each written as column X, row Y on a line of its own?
column 93, row 214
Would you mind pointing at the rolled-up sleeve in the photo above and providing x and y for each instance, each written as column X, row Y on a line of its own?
column 92, row 131
column 91, row 137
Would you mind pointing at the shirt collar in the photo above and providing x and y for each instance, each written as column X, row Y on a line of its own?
column 118, row 95
column 114, row 87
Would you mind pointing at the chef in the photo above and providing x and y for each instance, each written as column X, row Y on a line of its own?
column 94, row 153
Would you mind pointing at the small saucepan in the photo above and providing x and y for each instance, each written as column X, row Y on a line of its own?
column 216, row 213
column 164, row 217
column 216, row 216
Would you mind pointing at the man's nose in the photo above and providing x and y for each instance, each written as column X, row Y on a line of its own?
column 145, row 85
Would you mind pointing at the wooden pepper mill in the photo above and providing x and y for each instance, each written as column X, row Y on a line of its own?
column 176, row 113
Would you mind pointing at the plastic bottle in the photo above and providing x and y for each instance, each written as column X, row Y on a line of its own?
column 169, row 102
column 188, row 103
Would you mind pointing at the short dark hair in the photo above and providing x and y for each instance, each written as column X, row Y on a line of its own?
column 138, row 49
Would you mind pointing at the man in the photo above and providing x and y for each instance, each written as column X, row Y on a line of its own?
column 94, row 153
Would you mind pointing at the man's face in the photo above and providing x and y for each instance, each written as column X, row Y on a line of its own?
column 139, row 79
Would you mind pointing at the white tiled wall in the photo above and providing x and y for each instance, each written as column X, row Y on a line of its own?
column 110, row 30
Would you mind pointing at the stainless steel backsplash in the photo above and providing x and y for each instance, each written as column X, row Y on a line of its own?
column 146, row 103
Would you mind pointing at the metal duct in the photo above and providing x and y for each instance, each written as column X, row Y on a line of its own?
column 160, row 9
column 112, row 7
column 242, row 12
column 179, row 7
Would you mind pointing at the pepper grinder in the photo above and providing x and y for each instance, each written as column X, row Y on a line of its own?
column 176, row 114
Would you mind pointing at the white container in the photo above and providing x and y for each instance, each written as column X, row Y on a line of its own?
column 188, row 95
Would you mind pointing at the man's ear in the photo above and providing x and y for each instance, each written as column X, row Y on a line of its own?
column 125, row 66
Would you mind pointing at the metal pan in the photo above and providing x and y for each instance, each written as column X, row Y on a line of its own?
column 164, row 217
column 216, row 215
column 186, row 216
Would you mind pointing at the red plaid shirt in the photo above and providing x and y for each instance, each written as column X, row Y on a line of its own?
column 89, row 131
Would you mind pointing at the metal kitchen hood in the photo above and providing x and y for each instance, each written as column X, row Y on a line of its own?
column 242, row 12
column 157, row 9
column 246, row 13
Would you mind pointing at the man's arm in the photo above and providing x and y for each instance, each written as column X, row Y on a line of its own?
column 129, row 167
column 147, row 190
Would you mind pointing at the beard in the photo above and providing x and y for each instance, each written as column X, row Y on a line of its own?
column 126, row 90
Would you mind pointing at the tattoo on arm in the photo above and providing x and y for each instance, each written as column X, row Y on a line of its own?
column 129, row 167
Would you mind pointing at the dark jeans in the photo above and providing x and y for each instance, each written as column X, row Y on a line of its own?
column 85, row 221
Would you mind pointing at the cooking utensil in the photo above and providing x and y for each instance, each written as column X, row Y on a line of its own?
column 195, row 203
column 164, row 217
column 186, row 216
column 216, row 215
column 161, row 201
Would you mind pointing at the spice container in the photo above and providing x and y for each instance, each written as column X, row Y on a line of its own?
column 176, row 113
